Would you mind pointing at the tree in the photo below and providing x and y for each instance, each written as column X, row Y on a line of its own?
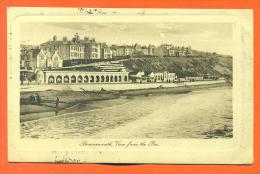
column 22, row 78
column 138, row 54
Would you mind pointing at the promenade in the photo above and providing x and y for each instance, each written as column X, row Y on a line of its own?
column 109, row 86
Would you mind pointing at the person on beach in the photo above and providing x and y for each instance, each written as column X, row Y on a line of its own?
column 38, row 99
column 32, row 99
column 57, row 102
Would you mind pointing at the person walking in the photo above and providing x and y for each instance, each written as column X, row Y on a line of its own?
column 38, row 99
column 57, row 102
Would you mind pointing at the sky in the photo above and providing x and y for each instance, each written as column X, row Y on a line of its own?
column 211, row 37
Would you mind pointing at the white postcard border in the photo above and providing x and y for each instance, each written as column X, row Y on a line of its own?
column 238, row 150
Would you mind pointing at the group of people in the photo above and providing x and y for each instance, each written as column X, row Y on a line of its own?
column 36, row 99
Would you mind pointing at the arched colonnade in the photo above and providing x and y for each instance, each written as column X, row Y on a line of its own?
column 59, row 77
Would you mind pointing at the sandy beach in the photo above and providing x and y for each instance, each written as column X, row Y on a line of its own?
column 206, row 112
column 77, row 95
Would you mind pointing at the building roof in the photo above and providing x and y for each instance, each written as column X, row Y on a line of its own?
column 104, row 67
column 61, row 42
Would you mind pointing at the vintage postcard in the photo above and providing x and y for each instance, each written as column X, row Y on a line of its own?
column 130, row 85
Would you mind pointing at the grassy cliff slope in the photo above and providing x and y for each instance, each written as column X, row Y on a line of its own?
column 183, row 66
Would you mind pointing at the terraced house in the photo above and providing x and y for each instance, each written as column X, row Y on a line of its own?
column 57, row 53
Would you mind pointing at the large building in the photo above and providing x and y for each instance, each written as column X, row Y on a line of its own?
column 106, row 52
column 130, row 50
column 73, row 50
column 122, row 50
column 118, row 51
column 64, row 52
column 93, row 73
column 68, row 50
column 92, row 48
column 173, row 51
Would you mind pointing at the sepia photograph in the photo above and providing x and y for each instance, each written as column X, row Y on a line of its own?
column 126, row 80
column 147, row 77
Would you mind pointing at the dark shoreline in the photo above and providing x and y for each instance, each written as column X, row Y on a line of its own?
column 71, row 98
column 170, row 90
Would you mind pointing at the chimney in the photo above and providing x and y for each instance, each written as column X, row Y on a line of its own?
column 54, row 38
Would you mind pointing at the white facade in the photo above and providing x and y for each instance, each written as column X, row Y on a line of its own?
column 195, row 78
column 41, row 59
column 76, row 52
column 161, row 76
column 155, row 77
column 60, row 77
column 56, row 60
column 45, row 59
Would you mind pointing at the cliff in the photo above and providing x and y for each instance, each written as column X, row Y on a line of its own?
column 183, row 66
